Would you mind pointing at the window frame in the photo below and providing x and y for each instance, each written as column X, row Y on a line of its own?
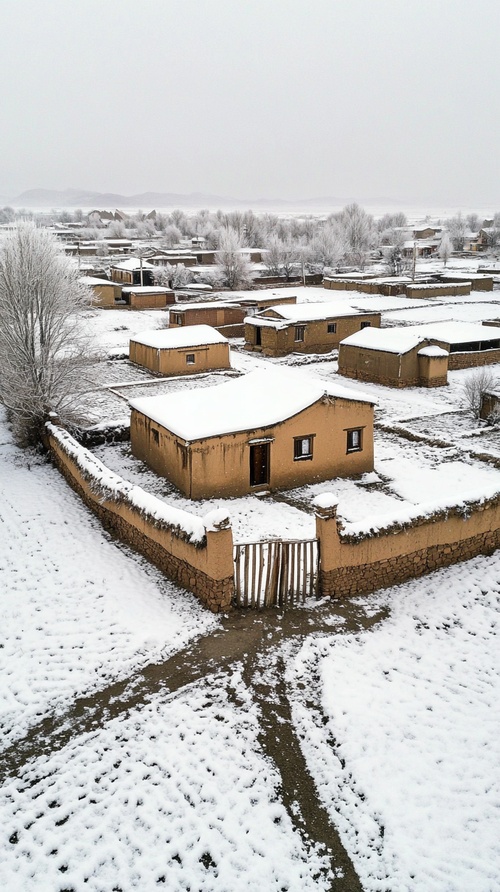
column 365, row 324
column 350, row 432
column 331, row 328
column 300, row 334
column 190, row 358
column 298, row 455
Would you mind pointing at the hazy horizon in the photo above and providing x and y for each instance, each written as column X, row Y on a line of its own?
column 282, row 100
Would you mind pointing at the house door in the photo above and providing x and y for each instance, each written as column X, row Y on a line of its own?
column 259, row 464
column 258, row 337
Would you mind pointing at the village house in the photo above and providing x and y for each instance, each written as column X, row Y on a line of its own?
column 402, row 357
column 478, row 281
column 106, row 294
column 133, row 271
column 181, row 351
column 396, row 357
column 147, row 297
column 304, row 328
column 268, row 430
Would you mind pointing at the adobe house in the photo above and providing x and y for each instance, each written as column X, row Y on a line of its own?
column 268, row 430
column 181, row 351
column 304, row 328
column 478, row 281
column 106, row 294
column 147, row 297
column 133, row 271
column 214, row 313
column 469, row 344
column 396, row 357
column 490, row 406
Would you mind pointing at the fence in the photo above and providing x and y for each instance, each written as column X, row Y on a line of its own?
column 275, row 573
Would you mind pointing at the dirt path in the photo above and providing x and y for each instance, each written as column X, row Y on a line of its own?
column 253, row 641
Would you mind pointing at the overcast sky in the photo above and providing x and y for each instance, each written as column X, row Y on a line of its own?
column 357, row 99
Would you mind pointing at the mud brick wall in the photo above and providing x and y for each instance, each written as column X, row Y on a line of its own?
column 473, row 359
column 352, row 565
column 205, row 569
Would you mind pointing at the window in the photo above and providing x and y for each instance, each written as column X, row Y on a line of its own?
column 177, row 319
column 354, row 440
column 302, row 448
column 366, row 325
column 156, row 436
column 189, row 358
column 300, row 331
column 332, row 328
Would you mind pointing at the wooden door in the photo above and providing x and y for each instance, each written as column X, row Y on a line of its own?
column 259, row 464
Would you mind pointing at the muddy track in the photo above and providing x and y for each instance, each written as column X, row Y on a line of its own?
column 251, row 640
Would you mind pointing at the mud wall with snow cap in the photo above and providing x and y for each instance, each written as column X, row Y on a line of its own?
column 356, row 561
column 193, row 551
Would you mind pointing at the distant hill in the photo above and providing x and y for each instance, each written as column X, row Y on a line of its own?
column 52, row 198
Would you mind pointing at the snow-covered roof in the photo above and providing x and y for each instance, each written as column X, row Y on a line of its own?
column 433, row 350
column 457, row 332
column 389, row 340
column 402, row 339
column 310, row 312
column 257, row 400
column 145, row 289
column 93, row 280
column 133, row 263
column 185, row 336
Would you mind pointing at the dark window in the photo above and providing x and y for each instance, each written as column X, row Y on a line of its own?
column 355, row 440
column 300, row 331
column 156, row 436
column 366, row 325
column 332, row 328
column 302, row 448
column 177, row 318
column 258, row 336
column 190, row 358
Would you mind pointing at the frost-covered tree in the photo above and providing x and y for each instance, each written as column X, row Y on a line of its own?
column 233, row 266
column 476, row 384
column 445, row 247
column 457, row 228
column 172, row 276
column 44, row 344
column 171, row 236
column 359, row 232
column 282, row 257
column 326, row 248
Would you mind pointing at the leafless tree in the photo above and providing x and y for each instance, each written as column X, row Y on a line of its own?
column 172, row 276
column 282, row 256
column 359, row 232
column 44, row 342
column 233, row 265
column 326, row 248
column 457, row 228
column 476, row 384
column 445, row 247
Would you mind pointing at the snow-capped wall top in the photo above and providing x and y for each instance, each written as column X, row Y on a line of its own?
column 172, row 338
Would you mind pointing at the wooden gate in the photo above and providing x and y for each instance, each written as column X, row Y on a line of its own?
column 275, row 573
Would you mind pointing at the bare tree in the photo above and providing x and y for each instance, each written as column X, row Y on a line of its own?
column 445, row 248
column 476, row 384
column 44, row 345
column 233, row 265
column 359, row 232
column 326, row 248
column 172, row 276
column 457, row 228
column 282, row 256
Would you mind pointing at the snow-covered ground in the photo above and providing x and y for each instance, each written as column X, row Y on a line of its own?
column 398, row 724
column 407, row 759
column 76, row 610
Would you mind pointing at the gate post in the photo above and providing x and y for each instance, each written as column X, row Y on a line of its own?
column 327, row 533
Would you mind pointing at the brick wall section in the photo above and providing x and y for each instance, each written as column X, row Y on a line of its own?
column 180, row 560
column 354, row 565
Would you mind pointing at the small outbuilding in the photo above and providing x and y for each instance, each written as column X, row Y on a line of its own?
column 304, row 328
column 180, row 351
column 105, row 294
column 146, row 297
column 133, row 271
column 396, row 357
column 271, row 429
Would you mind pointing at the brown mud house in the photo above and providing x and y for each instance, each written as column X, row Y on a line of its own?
column 396, row 357
column 268, row 430
column 304, row 328
column 184, row 351
column 132, row 271
column 104, row 293
column 145, row 297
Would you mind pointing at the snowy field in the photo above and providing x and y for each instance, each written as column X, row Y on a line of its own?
column 76, row 610
column 407, row 759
